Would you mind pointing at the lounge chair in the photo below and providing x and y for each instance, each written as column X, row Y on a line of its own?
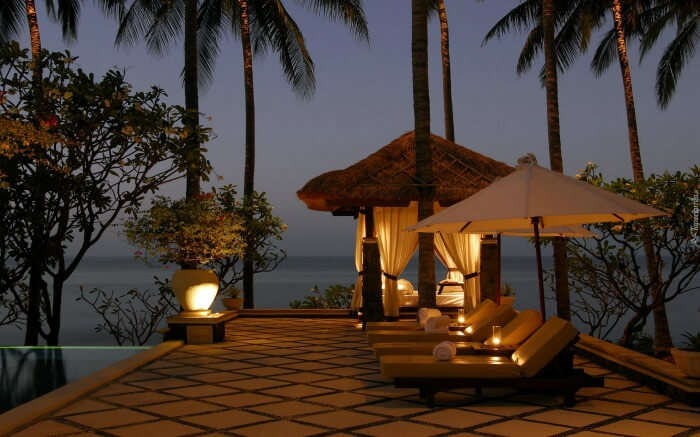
column 412, row 325
column 478, row 330
column 544, row 363
column 513, row 334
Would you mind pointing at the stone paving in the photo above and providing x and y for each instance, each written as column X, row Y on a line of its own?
column 301, row 377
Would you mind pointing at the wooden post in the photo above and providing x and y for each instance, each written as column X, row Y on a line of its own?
column 489, row 268
column 372, row 307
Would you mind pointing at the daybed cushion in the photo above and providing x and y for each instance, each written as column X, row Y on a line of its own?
column 482, row 327
column 519, row 329
column 545, row 344
column 396, row 335
column 419, row 348
column 486, row 306
column 462, row 366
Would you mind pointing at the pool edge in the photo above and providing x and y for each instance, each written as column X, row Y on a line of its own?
column 24, row 414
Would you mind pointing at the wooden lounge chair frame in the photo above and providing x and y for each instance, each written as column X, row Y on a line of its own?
column 559, row 377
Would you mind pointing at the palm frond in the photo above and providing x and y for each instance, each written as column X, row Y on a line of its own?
column 530, row 50
column 349, row 12
column 213, row 19
column 65, row 12
column 653, row 31
column 606, row 53
column 12, row 15
column 675, row 57
column 166, row 27
column 272, row 27
column 521, row 18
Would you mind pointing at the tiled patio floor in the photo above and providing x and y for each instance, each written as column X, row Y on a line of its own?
column 300, row 377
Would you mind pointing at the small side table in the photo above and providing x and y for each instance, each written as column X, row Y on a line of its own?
column 201, row 329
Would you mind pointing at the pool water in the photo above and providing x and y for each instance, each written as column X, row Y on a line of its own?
column 29, row 372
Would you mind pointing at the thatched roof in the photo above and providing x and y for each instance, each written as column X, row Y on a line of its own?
column 387, row 177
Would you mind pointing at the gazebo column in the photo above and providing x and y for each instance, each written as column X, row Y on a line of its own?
column 490, row 268
column 372, row 307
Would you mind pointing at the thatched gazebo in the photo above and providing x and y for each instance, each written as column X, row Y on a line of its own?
column 382, row 191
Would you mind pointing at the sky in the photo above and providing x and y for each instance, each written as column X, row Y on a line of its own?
column 363, row 101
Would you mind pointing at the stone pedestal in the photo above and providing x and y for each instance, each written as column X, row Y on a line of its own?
column 200, row 330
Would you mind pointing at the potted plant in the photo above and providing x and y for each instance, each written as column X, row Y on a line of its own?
column 192, row 234
column 231, row 299
column 688, row 358
column 508, row 295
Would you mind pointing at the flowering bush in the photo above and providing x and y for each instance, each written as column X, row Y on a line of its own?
column 190, row 233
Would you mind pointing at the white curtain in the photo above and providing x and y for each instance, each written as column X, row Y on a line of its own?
column 396, row 248
column 465, row 250
column 453, row 272
column 359, row 234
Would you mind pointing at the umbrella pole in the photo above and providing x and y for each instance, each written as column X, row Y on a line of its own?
column 538, row 252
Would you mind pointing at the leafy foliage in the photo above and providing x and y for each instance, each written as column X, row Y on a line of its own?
column 133, row 317
column 194, row 232
column 335, row 296
column 607, row 280
column 91, row 152
column 692, row 341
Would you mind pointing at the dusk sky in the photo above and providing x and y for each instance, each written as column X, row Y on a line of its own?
column 363, row 101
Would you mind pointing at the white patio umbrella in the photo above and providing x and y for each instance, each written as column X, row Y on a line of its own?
column 534, row 197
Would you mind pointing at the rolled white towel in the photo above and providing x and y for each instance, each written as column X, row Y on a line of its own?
column 438, row 324
column 425, row 313
column 444, row 351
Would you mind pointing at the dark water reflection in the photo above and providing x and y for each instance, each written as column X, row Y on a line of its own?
column 27, row 373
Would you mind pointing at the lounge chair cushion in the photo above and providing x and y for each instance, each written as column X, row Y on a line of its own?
column 482, row 327
column 486, row 305
column 462, row 366
column 401, row 324
column 419, row 348
column 395, row 336
column 519, row 329
column 545, row 344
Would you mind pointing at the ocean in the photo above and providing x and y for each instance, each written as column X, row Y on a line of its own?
column 293, row 279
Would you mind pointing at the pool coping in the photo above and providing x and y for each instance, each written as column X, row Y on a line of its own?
column 653, row 372
column 29, row 411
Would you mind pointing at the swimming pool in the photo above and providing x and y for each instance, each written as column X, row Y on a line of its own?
column 29, row 372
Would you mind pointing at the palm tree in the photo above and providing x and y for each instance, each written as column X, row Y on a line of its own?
column 543, row 16
column 439, row 7
column 262, row 25
column 160, row 23
column 662, row 13
column 424, row 164
column 11, row 12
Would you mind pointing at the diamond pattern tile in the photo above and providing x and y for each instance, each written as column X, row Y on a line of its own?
column 303, row 377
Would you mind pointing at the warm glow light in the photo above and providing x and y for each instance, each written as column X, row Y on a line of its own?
column 202, row 296
column 497, row 334
column 469, row 329
column 460, row 316
column 460, row 320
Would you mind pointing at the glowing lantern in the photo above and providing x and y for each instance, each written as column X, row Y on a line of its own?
column 496, row 337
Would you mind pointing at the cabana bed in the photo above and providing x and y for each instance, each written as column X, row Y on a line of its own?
column 383, row 186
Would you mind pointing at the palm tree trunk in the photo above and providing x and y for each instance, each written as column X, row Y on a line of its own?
column 446, row 72
column 192, row 99
column 662, row 331
column 191, row 120
column 555, row 156
column 36, row 282
column 424, row 164
column 249, row 176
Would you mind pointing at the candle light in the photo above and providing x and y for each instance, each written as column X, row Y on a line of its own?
column 496, row 336
column 460, row 316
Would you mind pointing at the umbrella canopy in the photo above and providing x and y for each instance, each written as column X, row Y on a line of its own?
column 532, row 191
column 538, row 198
column 573, row 231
